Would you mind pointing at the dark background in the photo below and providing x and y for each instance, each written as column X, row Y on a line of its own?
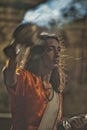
column 75, row 60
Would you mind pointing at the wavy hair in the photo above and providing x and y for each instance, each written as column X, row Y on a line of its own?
column 32, row 64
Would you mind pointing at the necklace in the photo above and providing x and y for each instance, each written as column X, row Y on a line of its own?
column 50, row 97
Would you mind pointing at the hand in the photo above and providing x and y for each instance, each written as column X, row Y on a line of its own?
column 10, row 51
column 78, row 122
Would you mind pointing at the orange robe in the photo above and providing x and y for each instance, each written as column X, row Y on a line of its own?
column 28, row 101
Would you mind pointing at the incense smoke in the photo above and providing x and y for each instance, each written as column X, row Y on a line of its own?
column 58, row 12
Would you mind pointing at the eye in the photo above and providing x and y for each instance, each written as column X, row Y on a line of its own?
column 49, row 48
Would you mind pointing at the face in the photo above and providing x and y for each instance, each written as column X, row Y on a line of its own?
column 50, row 56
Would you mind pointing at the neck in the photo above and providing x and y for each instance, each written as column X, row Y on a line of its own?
column 45, row 79
column 44, row 73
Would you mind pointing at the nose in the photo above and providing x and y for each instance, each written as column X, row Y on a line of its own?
column 56, row 53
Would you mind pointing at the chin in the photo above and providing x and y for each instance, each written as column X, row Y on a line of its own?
column 55, row 66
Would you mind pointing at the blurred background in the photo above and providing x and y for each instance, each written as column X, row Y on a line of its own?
column 69, row 21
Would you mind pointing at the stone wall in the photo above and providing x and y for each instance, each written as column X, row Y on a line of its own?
column 75, row 94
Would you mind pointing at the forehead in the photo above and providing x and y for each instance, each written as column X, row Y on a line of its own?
column 52, row 42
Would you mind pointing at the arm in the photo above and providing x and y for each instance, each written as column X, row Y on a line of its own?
column 74, row 123
column 9, row 73
column 9, row 70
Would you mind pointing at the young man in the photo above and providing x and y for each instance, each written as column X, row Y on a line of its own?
column 36, row 100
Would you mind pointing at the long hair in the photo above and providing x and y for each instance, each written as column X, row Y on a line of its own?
column 34, row 57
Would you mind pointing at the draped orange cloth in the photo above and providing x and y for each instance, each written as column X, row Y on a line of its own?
column 28, row 101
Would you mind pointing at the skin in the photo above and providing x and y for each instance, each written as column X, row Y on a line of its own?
column 50, row 58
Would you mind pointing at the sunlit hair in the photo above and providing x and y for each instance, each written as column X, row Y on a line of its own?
column 33, row 61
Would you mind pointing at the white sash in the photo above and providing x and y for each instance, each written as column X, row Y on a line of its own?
column 50, row 114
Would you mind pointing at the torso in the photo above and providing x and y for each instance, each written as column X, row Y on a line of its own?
column 28, row 102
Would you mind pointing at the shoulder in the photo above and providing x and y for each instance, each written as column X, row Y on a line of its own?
column 26, row 75
column 22, row 72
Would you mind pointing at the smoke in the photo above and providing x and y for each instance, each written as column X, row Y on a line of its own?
column 56, row 12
